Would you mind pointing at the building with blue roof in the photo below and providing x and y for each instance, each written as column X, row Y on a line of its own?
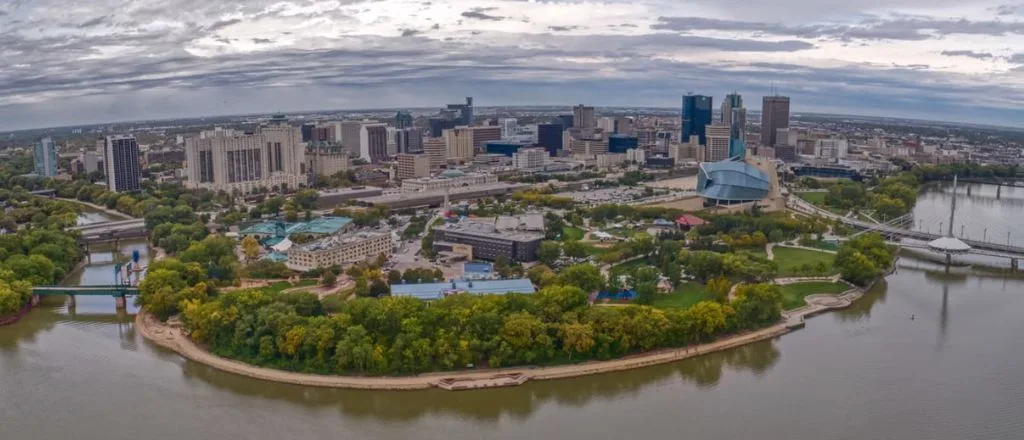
column 320, row 226
column 478, row 271
column 433, row 291
column 732, row 181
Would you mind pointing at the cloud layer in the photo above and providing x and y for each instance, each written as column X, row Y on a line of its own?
column 105, row 60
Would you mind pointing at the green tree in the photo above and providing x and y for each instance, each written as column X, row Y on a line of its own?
column 330, row 279
column 250, row 247
column 575, row 249
column 585, row 276
column 576, row 338
column 548, row 252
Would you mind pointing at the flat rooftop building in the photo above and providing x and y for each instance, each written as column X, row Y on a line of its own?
column 340, row 250
column 433, row 291
column 317, row 226
column 515, row 238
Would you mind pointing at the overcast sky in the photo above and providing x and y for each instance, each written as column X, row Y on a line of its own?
column 89, row 61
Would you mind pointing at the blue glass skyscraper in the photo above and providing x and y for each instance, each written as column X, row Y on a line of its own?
column 46, row 158
column 696, row 115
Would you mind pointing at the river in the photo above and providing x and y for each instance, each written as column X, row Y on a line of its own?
column 868, row 372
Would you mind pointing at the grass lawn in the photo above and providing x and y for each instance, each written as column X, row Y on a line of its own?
column 685, row 296
column 570, row 233
column 793, row 294
column 816, row 198
column 627, row 268
column 790, row 259
column 277, row 287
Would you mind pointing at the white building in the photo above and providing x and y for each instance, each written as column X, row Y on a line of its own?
column 340, row 250
column 636, row 155
column 437, row 150
column 530, row 158
column 607, row 124
column 833, row 149
column 234, row 161
column 610, row 160
column 509, row 127
column 448, row 179
column 460, row 143
column 412, row 166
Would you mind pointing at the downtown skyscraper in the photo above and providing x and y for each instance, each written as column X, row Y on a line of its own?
column 774, row 115
column 696, row 115
column 734, row 116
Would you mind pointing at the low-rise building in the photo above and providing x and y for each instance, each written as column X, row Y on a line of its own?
column 432, row 291
column 448, row 179
column 340, row 250
column 515, row 238
column 530, row 158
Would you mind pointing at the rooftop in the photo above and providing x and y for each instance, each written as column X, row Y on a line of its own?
column 319, row 226
column 495, row 228
column 950, row 245
column 432, row 291
column 338, row 240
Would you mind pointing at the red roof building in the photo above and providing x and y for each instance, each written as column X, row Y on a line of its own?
column 687, row 221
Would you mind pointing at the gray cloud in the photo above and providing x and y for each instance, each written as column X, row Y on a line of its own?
column 870, row 29
column 95, row 22
column 262, row 40
column 411, row 32
column 969, row 54
column 479, row 14
column 562, row 28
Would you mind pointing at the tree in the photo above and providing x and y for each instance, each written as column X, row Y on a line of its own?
column 541, row 275
column 575, row 249
column 719, row 287
column 704, row 265
column 501, row 266
column 330, row 279
column 577, row 338
column 379, row 288
column 250, row 247
column 217, row 254
column 548, row 252
column 394, row 277
column 585, row 276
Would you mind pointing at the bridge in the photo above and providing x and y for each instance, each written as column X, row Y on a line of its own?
column 109, row 231
column 119, row 291
column 1014, row 253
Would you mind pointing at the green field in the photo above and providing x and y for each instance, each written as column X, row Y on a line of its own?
column 793, row 294
column 791, row 259
column 817, row 198
column 627, row 268
column 685, row 296
column 570, row 233
column 277, row 287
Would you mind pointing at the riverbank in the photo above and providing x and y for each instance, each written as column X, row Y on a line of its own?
column 11, row 319
column 99, row 208
column 174, row 339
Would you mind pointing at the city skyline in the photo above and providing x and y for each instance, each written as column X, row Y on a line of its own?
column 98, row 62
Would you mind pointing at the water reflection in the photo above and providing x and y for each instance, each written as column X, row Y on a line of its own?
column 518, row 403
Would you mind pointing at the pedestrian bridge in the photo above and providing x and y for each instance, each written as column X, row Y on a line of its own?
column 979, row 247
column 111, row 290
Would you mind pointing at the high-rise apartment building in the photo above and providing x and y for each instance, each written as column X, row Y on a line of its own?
column 549, row 137
column 566, row 121
column 774, row 115
column 624, row 125
column 460, row 143
column 121, row 160
column 606, row 124
column 326, row 159
column 409, row 140
column 323, row 133
column 373, row 142
column 413, row 166
column 350, row 136
column 436, row 149
column 583, row 117
column 717, row 143
column 509, row 127
column 484, row 134
column 45, row 157
column 403, row 120
column 696, row 115
column 236, row 161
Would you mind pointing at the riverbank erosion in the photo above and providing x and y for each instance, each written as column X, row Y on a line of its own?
column 173, row 338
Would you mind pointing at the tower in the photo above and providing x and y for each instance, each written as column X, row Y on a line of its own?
column 696, row 115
